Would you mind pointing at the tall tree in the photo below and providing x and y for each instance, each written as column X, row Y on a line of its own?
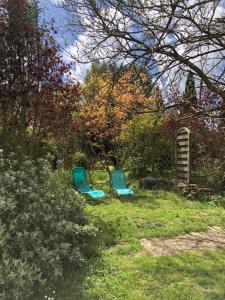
column 32, row 89
column 110, row 100
column 168, row 37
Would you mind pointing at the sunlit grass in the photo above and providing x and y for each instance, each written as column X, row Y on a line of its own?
column 126, row 271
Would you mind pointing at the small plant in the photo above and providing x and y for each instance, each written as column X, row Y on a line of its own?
column 217, row 200
column 44, row 234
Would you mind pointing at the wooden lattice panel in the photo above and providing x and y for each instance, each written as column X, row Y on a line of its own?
column 183, row 155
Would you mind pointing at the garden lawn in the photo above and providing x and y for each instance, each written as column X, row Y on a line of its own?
column 127, row 271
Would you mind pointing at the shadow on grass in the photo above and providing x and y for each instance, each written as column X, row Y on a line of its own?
column 74, row 286
column 144, row 198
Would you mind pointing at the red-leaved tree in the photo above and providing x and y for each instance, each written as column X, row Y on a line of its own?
column 37, row 99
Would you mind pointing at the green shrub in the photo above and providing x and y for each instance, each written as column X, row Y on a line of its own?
column 44, row 234
column 217, row 200
column 146, row 149
column 210, row 172
column 152, row 154
column 80, row 159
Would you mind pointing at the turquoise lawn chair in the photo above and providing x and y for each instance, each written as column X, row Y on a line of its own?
column 118, row 183
column 81, row 184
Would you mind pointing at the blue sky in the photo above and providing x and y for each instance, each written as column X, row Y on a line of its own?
column 51, row 11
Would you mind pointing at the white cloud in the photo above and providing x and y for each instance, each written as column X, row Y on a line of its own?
column 57, row 2
column 80, row 50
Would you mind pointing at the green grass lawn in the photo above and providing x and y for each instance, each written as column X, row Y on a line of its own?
column 126, row 271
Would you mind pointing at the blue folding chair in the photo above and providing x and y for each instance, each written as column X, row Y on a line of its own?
column 118, row 183
column 80, row 182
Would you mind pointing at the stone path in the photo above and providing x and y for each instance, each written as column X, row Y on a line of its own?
column 212, row 239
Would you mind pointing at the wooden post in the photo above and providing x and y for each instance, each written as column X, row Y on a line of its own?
column 183, row 155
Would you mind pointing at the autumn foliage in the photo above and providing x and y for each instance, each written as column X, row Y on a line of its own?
column 109, row 102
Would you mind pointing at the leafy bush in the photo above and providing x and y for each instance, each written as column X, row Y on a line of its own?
column 217, row 200
column 210, row 172
column 44, row 234
column 80, row 159
column 146, row 148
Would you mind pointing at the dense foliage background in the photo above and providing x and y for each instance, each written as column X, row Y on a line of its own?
column 118, row 117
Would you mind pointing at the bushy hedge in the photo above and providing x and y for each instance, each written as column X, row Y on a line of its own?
column 43, row 230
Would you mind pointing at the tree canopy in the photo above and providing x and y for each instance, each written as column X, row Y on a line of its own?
column 35, row 92
column 169, row 38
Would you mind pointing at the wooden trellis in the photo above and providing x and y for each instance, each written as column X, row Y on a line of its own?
column 183, row 155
